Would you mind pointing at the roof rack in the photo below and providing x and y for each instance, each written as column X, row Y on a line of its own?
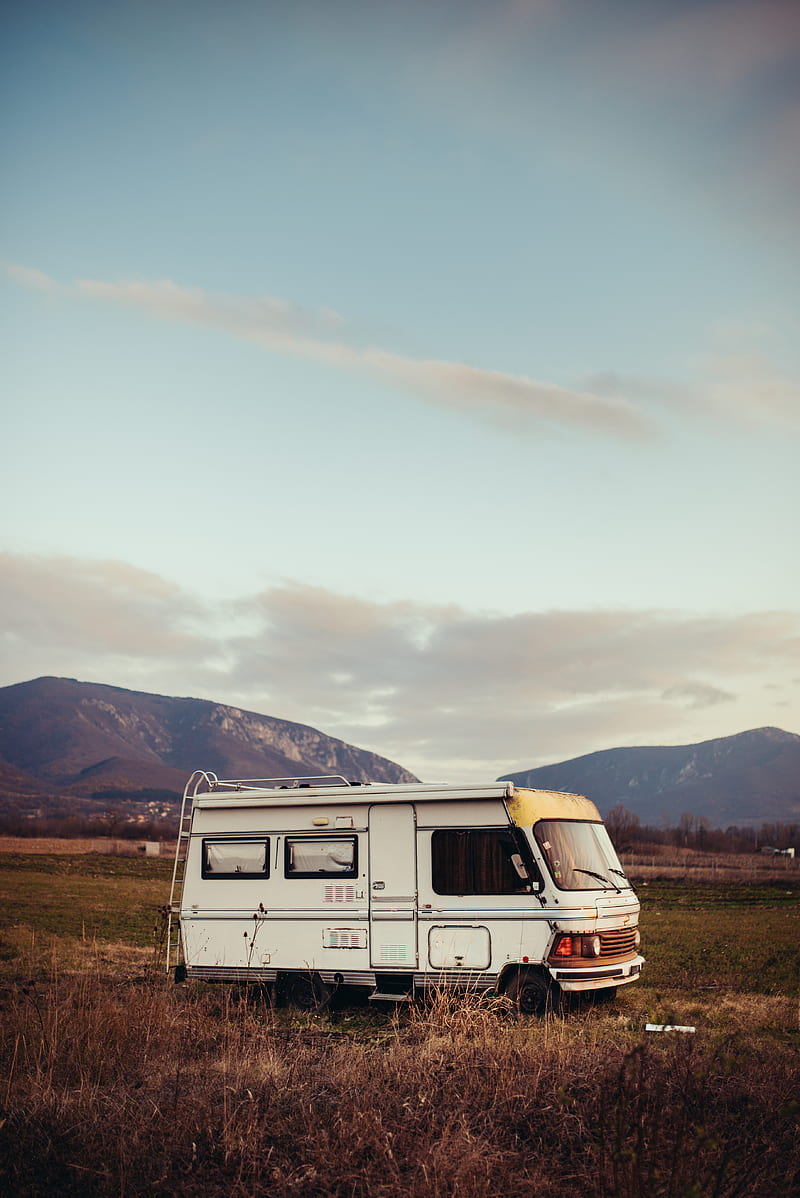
column 216, row 783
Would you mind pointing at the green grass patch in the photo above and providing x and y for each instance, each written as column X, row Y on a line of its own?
column 740, row 938
column 702, row 895
column 88, row 897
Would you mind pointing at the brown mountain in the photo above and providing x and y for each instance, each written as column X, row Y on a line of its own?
column 747, row 779
column 89, row 739
column 17, row 783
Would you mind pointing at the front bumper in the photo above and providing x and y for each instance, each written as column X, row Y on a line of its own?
column 597, row 977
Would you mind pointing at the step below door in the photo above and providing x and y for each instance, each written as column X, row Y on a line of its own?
column 392, row 886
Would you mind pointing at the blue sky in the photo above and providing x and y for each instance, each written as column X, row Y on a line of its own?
column 428, row 373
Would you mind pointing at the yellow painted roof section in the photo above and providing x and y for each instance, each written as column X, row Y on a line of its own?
column 529, row 806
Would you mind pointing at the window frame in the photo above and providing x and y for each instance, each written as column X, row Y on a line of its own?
column 234, row 875
column 520, row 846
column 351, row 872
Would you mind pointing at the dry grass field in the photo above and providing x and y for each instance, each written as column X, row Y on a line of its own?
column 118, row 1082
column 665, row 861
column 107, row 845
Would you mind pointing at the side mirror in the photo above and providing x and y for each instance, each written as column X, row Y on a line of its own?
column 519, row 866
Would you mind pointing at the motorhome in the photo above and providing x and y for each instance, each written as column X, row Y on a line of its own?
column 315, row 885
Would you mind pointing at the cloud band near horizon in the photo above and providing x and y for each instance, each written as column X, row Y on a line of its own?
column 438, row 688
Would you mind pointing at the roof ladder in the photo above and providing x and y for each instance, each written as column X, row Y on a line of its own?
column 181, row 849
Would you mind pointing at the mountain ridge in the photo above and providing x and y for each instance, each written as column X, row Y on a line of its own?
column 80, row 746
column 748, row 778
column 69, row 737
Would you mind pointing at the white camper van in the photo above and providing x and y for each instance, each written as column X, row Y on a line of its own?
column 317, row 884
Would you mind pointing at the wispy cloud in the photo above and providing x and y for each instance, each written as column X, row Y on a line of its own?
column 723, row 44
column 744, row 383
column 733, row 384
column 735, row 379
column 510, row 400
column 702, row 96
column 737, row 64
column 697, row 695
column 91, row 615
column 30, row 277
column 443, row 690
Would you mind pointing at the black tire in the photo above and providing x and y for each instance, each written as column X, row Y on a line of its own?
column 533, row 994
column 308, row 992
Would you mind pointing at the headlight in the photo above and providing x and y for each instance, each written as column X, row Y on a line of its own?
column 571, row 945
column 590, row 946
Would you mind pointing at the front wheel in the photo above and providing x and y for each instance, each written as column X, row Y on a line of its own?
column 533, row 994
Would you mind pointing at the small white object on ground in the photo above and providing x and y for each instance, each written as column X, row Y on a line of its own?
column 667, row 1027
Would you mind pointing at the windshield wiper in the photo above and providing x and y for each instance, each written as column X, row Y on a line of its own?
column 611, row 870
column 576, row 869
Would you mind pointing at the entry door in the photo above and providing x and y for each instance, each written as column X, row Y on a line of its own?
column 393, row 886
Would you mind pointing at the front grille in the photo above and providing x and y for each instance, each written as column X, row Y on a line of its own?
column 618, row 943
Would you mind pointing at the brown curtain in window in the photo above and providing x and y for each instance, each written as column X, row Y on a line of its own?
column 493, row 872
column 451, row 865
column 474, row 862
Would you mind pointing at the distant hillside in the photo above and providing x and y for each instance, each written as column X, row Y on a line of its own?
column 747, row 779
column 95, row 741
column 16, row 782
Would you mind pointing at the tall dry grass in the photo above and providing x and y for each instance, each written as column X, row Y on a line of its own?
column 136, row 1087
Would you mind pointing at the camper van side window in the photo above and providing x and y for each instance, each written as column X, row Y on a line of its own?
column 477, row 861
column 235, row 859
column 318, row 857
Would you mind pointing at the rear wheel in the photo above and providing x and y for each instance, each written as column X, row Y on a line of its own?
column 533, row 994
column 308, row 992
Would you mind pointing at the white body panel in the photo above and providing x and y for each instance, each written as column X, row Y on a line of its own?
column 340, row 882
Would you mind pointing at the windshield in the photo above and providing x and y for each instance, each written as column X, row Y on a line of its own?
column 580, row 856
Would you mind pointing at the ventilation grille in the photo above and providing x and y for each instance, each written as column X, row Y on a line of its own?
column 394, row 952
column 344, row 938
column 615, row 944
column 339, row 892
